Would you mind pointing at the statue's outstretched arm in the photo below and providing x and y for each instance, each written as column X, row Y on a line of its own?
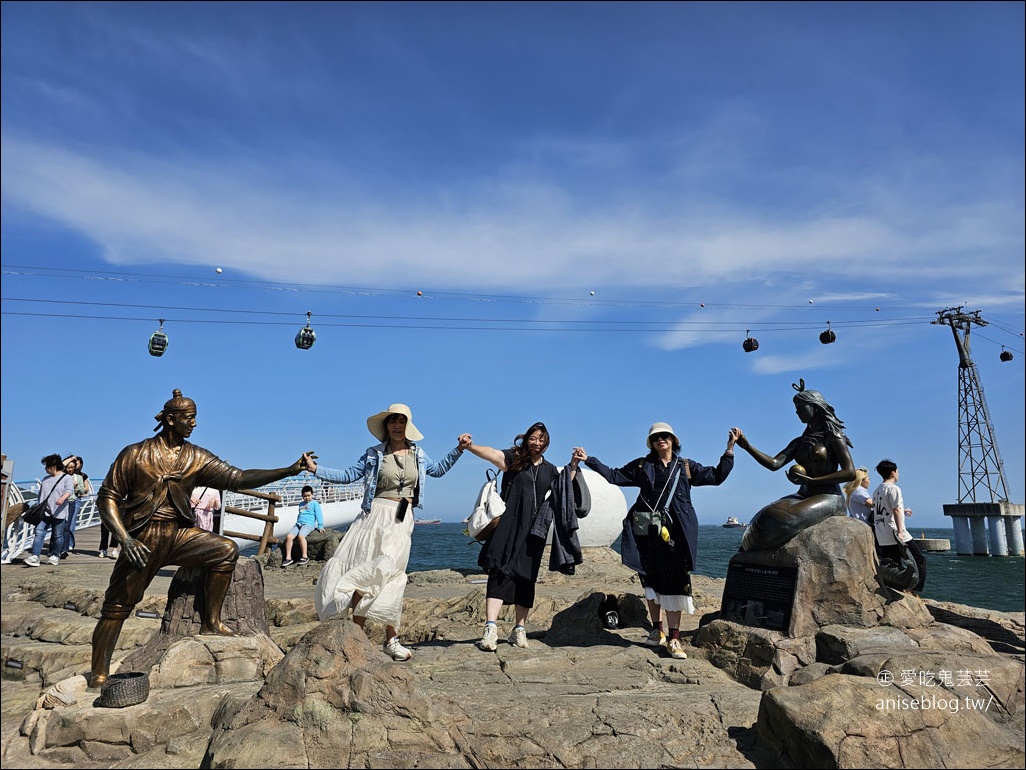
column 772, row 463
column 255, row 477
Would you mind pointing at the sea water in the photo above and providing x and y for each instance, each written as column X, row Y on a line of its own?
column 992, row 582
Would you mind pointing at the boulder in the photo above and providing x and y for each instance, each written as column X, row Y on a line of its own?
column 847, row 721
column 336, row 701
column 243, row 611
column 836, row 583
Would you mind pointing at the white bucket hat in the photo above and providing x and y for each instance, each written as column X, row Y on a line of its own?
column 376, row 423
column 662, row 427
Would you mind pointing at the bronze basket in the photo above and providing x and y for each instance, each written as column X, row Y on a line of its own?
column 123, row 690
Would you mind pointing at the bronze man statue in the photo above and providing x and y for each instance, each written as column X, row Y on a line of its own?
column 144, row 502
column 823, row 463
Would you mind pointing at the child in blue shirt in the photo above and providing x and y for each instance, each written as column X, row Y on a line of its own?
column 309, row 519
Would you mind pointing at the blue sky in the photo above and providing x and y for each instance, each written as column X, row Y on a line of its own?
column 507, row 212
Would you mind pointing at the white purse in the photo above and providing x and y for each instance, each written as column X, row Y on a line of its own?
column 487, row 510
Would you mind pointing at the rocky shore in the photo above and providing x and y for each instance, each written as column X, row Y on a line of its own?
column 310, row 694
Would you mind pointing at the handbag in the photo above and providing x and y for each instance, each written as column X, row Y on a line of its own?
column 655, row 523
column 37, row 512
column 487, row 510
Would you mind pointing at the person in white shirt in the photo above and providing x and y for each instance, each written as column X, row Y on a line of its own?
column 889, row 514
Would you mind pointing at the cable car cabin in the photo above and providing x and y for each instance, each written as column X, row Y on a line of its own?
column 1006, row 355
column 158, row 343
column 305, row 338
column 750, row 344
column 827, row 337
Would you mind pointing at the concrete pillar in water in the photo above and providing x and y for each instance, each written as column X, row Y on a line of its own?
column 963, row 538
column 996, row 536
column 1013, row 533
column 978, row 527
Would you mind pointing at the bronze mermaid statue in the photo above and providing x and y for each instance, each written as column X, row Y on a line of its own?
column 822, row 464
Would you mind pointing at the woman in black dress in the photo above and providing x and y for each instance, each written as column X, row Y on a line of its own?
column 512, row 556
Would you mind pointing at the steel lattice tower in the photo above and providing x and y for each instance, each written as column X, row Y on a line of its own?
column 981, row 473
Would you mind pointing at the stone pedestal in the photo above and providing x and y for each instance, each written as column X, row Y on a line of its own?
column 826, row 574
column 243, row 611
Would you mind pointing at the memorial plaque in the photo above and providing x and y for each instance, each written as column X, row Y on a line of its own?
column 759, row 595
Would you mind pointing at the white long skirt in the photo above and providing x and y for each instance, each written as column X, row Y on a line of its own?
column 370, row 561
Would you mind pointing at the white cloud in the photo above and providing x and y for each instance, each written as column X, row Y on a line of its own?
column 500, row 234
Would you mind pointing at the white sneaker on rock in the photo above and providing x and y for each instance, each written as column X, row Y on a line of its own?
column 396, row 651
column 32, row 560
column 518, row 637
column 490, row 638
column 676, row 649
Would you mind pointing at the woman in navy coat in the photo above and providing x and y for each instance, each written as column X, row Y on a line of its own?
column 666, row 553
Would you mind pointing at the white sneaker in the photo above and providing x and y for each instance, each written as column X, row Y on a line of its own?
column 676, row 649
column 114, row 553
column 518, row 637
column 397, row 652
column 656, row 638
column 32, row 560
column 55, row 560
column 101, row 555
column 490, row 638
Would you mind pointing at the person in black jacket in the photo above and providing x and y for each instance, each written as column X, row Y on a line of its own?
column 660, row 532
column 512, row 556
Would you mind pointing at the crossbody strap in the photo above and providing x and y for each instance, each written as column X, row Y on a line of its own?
column 676, row 477
column 54, row 487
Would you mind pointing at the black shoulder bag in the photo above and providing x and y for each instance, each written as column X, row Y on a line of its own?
column 35, row 515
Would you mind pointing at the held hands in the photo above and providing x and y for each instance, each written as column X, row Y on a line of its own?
column 465, row 441
column 308, row 462
column 578, row 456
column 734, row 435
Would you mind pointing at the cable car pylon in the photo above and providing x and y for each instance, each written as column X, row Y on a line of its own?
column 985, row 521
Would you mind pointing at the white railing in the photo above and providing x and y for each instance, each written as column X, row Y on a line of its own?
column 19, row 536
column 290, row 491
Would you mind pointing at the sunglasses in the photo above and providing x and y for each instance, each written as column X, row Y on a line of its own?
column 662, row 437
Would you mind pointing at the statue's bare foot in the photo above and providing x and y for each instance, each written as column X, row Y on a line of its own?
column 97, row 681
column 217, row 628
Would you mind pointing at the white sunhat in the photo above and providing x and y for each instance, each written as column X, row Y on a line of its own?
column 376, row 423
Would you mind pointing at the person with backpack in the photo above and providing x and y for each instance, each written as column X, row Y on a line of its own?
column 892, row 537
column 512, row 555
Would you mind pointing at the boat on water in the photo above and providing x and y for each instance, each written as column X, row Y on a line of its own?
column 733, row 523
column 427, row 521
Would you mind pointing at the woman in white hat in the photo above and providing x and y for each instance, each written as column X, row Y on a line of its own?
column 660, row 533
column 367, row 572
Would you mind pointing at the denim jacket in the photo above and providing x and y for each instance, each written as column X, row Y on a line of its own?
column 369, row 466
